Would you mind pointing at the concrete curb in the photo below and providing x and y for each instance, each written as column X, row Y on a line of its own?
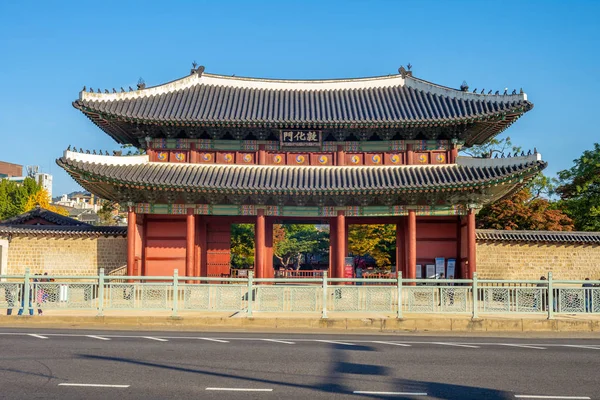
column 389, row 325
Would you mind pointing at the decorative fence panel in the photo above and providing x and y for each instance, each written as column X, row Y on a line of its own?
column 315, row 294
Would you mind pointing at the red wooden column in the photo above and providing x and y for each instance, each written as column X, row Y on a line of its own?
column 471, row 244
column 411, row 268
column 259, row 244
column 262, row 154
column 409, row 154
column 340, row 252
column 190, row 242
column 202, row 251
column 269, row 272
column 131, row 233
column 399, row 246
column 332, row 247
column 341, row 155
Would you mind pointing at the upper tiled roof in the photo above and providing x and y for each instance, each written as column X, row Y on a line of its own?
column 393, row 101
column 50, row 217
column 538, row 236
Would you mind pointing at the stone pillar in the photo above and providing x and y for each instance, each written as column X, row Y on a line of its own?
column 190, row 242
column 471, row 244
column 131, row 233
column 269, row 272
column 259, row 244
column 340, row 252
column 341, row 155
column 411, row 268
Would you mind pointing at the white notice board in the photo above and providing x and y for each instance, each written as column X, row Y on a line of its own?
column 440, row 266
column 451, row 268
column 419, row 274
column 430, row 271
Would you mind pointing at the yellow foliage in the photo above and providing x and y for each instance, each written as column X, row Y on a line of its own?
column 42, row 198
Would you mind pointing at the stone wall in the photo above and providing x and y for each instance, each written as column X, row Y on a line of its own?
column 66, row 255
column 530, row 260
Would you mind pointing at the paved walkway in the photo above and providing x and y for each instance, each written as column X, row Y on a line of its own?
column 355, row 322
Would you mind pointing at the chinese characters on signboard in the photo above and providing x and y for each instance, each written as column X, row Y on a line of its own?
column 300, row 138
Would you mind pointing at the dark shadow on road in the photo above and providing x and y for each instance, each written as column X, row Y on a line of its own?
column 341, row 369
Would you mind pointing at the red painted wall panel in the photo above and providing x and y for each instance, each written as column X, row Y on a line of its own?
column 165, row 245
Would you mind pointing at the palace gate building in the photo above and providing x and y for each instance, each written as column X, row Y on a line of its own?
column 222, row 149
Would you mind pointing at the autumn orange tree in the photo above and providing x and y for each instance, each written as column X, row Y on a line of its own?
column 42, row 198
column 524, row 211
column 378, row 241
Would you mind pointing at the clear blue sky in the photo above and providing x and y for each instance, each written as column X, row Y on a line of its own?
column 49, row 50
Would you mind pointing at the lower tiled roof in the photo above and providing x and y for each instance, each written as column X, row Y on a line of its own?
column 538, row 236
column 303, row 179
column 50, row 230
column 41, row 213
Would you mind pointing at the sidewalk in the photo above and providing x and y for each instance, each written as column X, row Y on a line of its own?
column 304, row 322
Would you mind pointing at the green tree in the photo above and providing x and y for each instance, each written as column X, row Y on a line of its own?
column 107, row 213
column 579, row 190
column 378, row 241
column 491, row 148
column 242, row 245
column 14, row 196
column 298, row 243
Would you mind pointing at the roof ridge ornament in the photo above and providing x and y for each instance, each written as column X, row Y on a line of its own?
column 141, row 84
column 404, row 72
column 464, row 87
column 199, row 70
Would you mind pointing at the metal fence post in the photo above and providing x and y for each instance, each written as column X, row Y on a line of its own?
column 475, row 296
column 399, row 287
column 175, row 291
column 550, row 297
column 25, row 300
column 324, row 313
column 101, row 292
column 250, row 293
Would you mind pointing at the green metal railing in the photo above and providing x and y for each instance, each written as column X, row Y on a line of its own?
column 22, row 294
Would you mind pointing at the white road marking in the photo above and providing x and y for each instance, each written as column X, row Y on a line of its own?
column 37, row 336
column 97, row 337
column 581, row 346
column 335, row 342
column 534, row 396
column 155, row 338
column 456, row 344
column 213, row 340
column 524, row 346
column 93, row 385
column 393, row 343
column 391, row 393
column 278, row 341
column 239, row 389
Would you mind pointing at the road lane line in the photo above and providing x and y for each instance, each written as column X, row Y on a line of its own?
column 213, row 340
column 524, row 346
column 534, row 396
column 37, row 336
column 391, row 393
column 155, row 338
column 93, row 385
column 580, row 346
column 393, row 343
column 277, row 341
column 239, row 389
column 335, row 342
column 456, row 344
column 97, row 337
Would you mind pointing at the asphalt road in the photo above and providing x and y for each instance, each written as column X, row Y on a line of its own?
column 50, row 364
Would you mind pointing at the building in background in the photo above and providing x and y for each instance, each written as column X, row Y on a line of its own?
column 8, row 170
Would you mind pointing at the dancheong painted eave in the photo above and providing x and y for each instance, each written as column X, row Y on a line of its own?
column 109, row 177
column 394, row 102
